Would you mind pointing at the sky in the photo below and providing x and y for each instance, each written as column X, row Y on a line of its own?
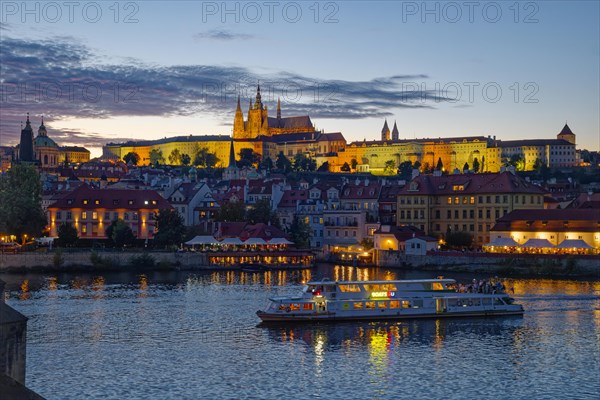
column 109, row 71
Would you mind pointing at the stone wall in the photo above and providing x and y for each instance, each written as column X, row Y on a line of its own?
column 493, row 263
column 13, row 340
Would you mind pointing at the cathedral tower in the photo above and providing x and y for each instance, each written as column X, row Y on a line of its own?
column 26, row 145
column 395, row 133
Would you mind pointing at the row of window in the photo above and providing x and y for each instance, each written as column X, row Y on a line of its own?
column 497, row 199
column 93, row 215
column 114, row 202
column 456, row 228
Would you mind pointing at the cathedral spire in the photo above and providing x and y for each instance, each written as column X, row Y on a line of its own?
column 237, row 109
column 278, row 108
column 258, row 103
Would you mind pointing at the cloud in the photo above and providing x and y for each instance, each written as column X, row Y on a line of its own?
column 223, row 35
column 62, row 78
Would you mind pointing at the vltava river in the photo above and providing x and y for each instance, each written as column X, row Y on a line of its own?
column 196, row 336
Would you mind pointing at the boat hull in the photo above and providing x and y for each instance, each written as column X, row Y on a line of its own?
column 280, row 317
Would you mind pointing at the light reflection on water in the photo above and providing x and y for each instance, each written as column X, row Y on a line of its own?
column 192, row 336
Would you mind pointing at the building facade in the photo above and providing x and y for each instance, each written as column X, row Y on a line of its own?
column 464, row 202
column 91, row 211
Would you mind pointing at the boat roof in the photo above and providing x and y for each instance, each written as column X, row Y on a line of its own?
column 328, row 282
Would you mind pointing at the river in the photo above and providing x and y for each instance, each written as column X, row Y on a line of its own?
column 180, row 335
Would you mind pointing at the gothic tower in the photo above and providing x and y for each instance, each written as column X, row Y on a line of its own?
column 238, row 123
column 395, row 133
column 566, row 134
column 385, row 132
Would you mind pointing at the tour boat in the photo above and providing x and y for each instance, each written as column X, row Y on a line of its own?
column 373, row 300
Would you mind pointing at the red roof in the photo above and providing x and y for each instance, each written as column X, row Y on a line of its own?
column 550, row 220
column 85, row 197
column 494, row 183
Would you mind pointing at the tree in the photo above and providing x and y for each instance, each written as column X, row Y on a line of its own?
column 21, row 211
column 266, row 164
column 466, row 167
column 367, row 243
column 261, row 212
column 231, row 211
column 475, row 165
column 175, row 157
column 283, row 164
column 324, row 167
column 537, row 165
column 303, row 163
column 156, row 157
column 248, row 158
column 67, row 235
column 185, row 159
column 459, row 239
column 300, row 232
column 345, row 167
column 417, row 165
column 516, row 160
column 132, row 158
column 170, row 228
column 389, row 167
column 440, row 165
column 405, row 170
column 204, row 158
column 353, row 163
column 482, row 167
column 120, row 234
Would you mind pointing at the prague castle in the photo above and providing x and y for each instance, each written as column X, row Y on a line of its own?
column 270, row 136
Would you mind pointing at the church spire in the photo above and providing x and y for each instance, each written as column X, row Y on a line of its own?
column 395, row 133
column 278, row 108
column 258, row 103
column 236, row 110
column 385, row 131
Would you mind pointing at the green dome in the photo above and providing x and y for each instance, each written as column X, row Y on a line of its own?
column 44, row 141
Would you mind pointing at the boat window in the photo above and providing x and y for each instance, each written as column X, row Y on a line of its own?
column 281, row 307
column 437, row 286
column 358, row 305
column 369, row 304
column 349, row 288
column 417, row 304
column 405, row 304
column 307, row 306
column 380, row 287
column 295, row 306
column 382, row 304
column 394, row 304
column 330, row 288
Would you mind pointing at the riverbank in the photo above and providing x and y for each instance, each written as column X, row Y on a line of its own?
column 443, row 262
column 88, row 261
column 501, row 264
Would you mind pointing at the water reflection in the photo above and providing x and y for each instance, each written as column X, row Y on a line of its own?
column 381, row 337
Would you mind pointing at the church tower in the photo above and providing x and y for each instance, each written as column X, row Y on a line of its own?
column 26, row 144
column 385, row 132
column 258, row 118
column 566, row 134
column 238, row 123
column 395, row 133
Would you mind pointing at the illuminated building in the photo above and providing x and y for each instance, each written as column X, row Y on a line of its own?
column 91, row 211
column 464, row 203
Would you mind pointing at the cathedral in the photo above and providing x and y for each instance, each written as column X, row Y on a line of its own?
column 260, row 124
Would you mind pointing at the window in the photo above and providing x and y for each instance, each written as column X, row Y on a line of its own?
column 472, row 227
column 480, row 199
column 94, row 215
column 465, row 200
column 394, row 304
column 85, row 201
column 58, row 215
column 480, row 213
column 358, row 305
column 96, row 201
column 497, row 199
column 126, row 216
column 84, row 215
column 437, row 227
column 369, row 304
column 464, row 214
column 437, row 214
column 449, row 214
column 130, row 202
column 455, row 214
column 382, row 304
column 135, row 216
column 471, row 214
column 449, row 200
column 84, row 229
column 505, row 199
column 488, row 214
column 456, row 200
column 69, row 215
column 472, row 201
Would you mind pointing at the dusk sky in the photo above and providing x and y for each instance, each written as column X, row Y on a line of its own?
column 106, row 71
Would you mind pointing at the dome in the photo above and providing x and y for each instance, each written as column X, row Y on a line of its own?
column 44, row 141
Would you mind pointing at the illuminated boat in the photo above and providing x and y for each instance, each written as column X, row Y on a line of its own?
column 374, row 300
